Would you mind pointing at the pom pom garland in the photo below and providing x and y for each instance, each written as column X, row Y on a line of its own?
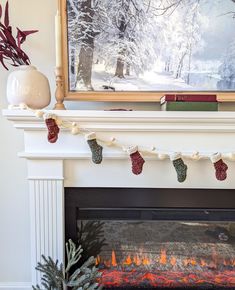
column 53, row 122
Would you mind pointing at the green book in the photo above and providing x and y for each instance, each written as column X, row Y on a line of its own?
column 189, row 106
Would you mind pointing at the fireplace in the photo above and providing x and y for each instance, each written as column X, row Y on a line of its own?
column 156, row 238
column 63, row 173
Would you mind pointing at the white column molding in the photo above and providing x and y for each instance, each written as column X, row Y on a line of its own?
column 46, row 188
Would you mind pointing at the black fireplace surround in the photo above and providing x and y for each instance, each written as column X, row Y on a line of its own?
column 159, row 238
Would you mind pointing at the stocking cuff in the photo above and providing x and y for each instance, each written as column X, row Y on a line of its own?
column 90, row 136
column 49, row 116
column 174, row 156
column 215, row 157
column 132, row 150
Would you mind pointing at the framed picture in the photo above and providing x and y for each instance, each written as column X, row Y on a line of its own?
column 139, row 50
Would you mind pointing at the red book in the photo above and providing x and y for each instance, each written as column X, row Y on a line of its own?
column 188, row 98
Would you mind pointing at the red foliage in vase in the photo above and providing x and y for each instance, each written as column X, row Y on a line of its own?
column 10, row 46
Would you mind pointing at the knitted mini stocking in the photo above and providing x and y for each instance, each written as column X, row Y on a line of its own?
column 180, row 167
column 53, row 129
column 136, row 160
column 96, row 149
column 220, row 167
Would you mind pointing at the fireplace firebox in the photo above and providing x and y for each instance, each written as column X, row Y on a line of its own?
column 156, row 238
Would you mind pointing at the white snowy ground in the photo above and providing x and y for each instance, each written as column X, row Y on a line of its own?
column 149, row 81
column 155, row 80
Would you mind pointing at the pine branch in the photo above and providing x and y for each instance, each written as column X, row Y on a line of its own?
column 58, row 277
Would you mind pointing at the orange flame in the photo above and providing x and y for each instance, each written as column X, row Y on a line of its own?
column 114, row 261
column 163, row 258
column 145, row 261
column 203, row 263
column 128, row 260
column 97, row 260
column 173, row 261
column 137, row 260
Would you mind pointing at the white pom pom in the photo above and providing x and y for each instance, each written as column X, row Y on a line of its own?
column 231, row 156
column 162, row 156
column 195, row 156
column 39, row 114
column 75, row 130
column 23, row 106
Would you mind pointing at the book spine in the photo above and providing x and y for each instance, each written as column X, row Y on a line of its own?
column 189, row 106
column 189, row 98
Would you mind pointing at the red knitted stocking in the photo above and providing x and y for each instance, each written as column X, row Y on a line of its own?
column 220, row 170
column 136, row 160
column 220, row 167
column 53, row 130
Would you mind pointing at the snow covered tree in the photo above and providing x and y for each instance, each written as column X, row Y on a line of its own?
column 85, row 23
column 128, row 41
column 182, row 37
column 227, row 69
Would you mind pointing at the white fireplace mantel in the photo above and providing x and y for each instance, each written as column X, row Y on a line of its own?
column 67, row 163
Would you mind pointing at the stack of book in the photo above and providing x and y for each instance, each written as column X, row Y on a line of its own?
column 189, row 102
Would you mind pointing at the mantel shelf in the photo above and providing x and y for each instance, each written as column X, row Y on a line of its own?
column 132, row 120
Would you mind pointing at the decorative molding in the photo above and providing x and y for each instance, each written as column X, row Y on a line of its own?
column 135, row 121
column 15, row 285
column 47, row 222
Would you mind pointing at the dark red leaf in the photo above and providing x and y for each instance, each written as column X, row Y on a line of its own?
column 0, row 11
column 21, row 35
column 10, row 49
column 9, row 37
column 6, row 19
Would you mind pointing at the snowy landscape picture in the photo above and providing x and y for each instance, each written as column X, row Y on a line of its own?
column 151, row 45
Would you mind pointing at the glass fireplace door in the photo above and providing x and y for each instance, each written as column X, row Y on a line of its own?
column 150, row 248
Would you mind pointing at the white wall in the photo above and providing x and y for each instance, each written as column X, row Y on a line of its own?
column 14, row 201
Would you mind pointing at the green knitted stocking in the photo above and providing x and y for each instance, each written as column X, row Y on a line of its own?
column 181, row 169
column 96, row 149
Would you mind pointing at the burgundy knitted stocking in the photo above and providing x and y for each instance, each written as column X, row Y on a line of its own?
column 220, row 166
column 136, row 160
column 220, row 170
column 53, row 130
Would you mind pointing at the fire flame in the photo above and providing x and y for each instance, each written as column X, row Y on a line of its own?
column 168, row 270
column 173, row 261
column 163, row 258
column 114, row 261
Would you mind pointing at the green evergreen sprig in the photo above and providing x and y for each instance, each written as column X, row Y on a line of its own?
column 58, row 277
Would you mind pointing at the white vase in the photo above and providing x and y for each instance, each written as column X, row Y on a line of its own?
column 29, row 86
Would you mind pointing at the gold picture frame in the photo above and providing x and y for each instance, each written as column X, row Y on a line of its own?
column 63, row 92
